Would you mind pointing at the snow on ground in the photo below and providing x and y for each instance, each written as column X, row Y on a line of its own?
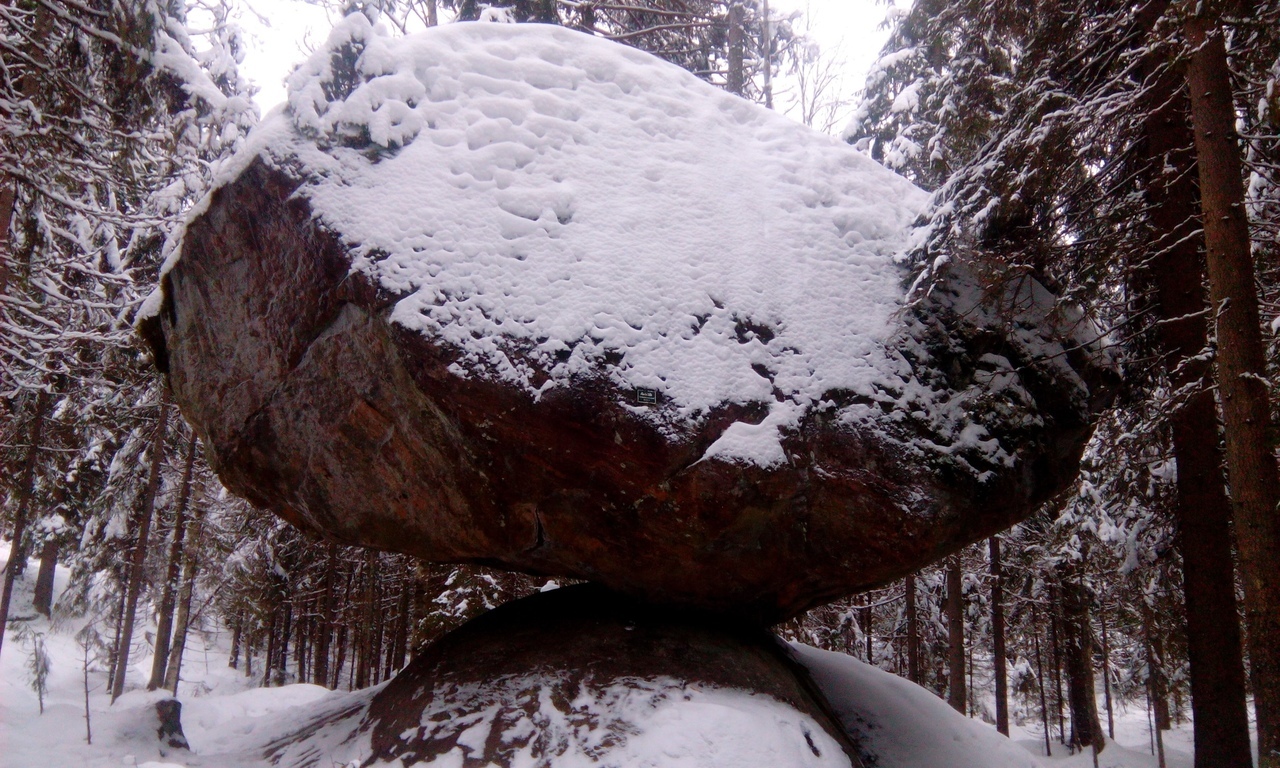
column 226, row 717
column 903, row 723
column 231, row 722
column 1131, row 748
column 889, row 711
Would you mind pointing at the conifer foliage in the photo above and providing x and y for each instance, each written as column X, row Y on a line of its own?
column 114, row 120
column 1108, row 166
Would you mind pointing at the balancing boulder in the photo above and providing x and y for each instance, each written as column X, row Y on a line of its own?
column 515, row 295
column 580, row 676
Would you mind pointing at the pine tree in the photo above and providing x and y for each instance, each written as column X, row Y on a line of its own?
column 1068, row 180
column 1241, row 370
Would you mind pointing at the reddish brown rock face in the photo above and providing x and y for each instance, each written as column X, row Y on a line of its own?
column 314, row 405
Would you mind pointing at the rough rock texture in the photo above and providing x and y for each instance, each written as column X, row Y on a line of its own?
column 314, row 405
column 581, row 676
column 169, row 731
column 784, row 461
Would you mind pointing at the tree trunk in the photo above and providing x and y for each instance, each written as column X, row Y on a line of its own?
column 395, row 659
column 355, row 656
column 43, row 599
column 115, row 641
column 236, row 630
column 164, row 622
column 997, row 637
column 913, row 632
column 342, row 629
column 375, row 644
column 268, row 660
column 1202, row 509
column 1078, row 639
column 8, row 196
column 767, row 55
column 366, row 631
column 341, row 658
column 1154, row 673
column 1055, row 643
column 415, row 603
column 134, row 587
column 303, row 627
column 735, row 80
column 955, row 636
column 190, row 566
column 282, row 659
column 867, row 619
column 1106, row 676
column 1044, row 704
column 320, row 670
column 1159, row 681
column 1241, row 369
column 969, row 689
column 26, row 487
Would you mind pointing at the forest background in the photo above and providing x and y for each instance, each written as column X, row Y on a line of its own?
column 1127, row 155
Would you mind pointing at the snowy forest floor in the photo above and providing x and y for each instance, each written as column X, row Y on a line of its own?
column 229, row 720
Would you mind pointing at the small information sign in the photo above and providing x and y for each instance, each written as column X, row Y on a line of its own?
column 646, row 396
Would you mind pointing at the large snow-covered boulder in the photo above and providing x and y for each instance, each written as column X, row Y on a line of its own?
column 583, row 677
column 520, row 296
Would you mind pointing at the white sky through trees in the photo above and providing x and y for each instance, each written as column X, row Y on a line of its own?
column 280, row 33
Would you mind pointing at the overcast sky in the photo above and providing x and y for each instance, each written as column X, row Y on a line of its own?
column 281, row 33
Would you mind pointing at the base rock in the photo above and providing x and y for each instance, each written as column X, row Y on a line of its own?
column 583, row 677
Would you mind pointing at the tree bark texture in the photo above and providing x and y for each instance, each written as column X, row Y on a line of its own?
column 268, row 658
column 26, row 487
column 320, row 670
column 913, row 632
column 1202, row 508
column 1055, row 640
column 303, row 629
column 1078, row 642
column 1106, row 676
column 282, row 659
column 237, row 629
column 997, row 637
column 1040, row 681
column 164, row 622
column 1157, row 682
column 1241, row 370
column 8, row 196
column 735, row 80
column 1155, row 673
column 341, row 657
column 365, row 635
column 182, row 621
column 955, row 637
column 139, row 556
column 766, row 54
column 43, row 597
